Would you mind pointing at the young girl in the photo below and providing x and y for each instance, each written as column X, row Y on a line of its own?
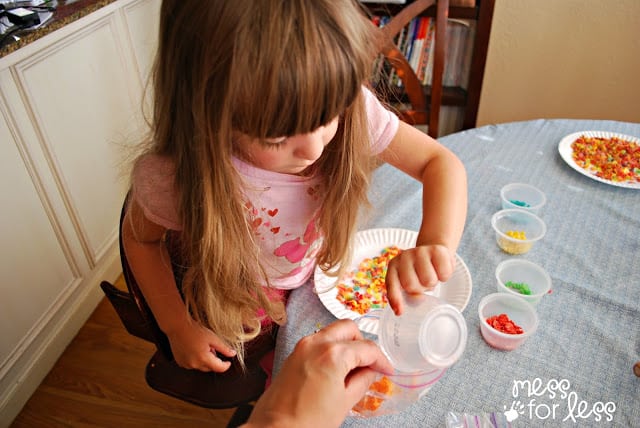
column 263, row 140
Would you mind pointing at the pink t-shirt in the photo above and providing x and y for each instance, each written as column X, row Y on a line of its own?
column 282, row 209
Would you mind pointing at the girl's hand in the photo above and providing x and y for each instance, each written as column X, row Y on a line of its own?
column 194, row 347
column 417, row 270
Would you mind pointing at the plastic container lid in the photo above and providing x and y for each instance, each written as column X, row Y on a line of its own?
column 430, row 334
column 443, row 336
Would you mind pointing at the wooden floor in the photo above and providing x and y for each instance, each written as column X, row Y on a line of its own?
column 99, row 382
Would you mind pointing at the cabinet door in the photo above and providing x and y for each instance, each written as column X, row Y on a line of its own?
column 142, row 21
column 85, row 104
column 36, row 269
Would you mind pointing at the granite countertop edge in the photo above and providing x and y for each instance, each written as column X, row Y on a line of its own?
column 64, row 15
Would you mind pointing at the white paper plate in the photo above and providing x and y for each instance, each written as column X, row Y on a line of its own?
column 369, row 243
column 566, row 152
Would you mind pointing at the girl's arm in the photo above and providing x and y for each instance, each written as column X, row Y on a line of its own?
column 444, row 211
column 192, row 344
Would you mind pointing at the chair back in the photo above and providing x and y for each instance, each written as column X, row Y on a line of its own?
column 127, row 311
column 234, row 388
column 154, row 333
column 424, row 103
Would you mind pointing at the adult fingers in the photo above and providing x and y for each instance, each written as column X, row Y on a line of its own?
column 364, row 353
column 358, row 382
column 341, row 348
column 340, row 330
column 321, row 344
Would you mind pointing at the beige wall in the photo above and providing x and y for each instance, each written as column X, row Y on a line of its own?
column 562, row 59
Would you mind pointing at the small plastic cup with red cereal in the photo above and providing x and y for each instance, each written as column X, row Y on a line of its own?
column 506, row 321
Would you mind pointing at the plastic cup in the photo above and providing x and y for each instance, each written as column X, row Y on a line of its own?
column 522, row 196
column 506, row 222
column 429, row 337
column 519, row 311
column 430, row 334
column 521, row 271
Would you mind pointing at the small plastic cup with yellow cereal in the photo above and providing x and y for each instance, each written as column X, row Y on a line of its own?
column 517, row 231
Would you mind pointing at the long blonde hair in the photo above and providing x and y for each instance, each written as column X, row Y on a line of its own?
column 267, row 68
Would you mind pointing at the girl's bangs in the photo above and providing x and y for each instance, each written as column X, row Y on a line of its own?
column 300, row 103
column 298, row 76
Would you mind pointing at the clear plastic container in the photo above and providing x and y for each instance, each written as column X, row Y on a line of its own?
column 519, row 311
column 393, row 393
column 522, row 196
column 517, row 230
column 519, row 271
column 430, row 334
column 422, row 343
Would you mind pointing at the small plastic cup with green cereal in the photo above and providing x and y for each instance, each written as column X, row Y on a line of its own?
column 524, row 279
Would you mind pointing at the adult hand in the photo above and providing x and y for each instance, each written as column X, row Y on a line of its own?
column 194, row 347
column 325, row 376
column 417, row 270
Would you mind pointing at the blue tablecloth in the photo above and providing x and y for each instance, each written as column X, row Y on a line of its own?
column 589, row 334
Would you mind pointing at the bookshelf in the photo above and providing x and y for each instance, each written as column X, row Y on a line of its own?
column 460, row 95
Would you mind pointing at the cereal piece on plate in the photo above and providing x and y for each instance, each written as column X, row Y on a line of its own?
column 613, row 159
column 364, row 288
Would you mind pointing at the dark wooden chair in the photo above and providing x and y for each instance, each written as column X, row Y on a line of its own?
column 234, row 388
column 423, row 103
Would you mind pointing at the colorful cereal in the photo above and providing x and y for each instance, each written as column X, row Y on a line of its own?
column 511, row 245
column 504, row 324
column 612, row 159
column 519, row 203
column 517, row 234
column 520, row 287
column 374, row 398
column 364, row 288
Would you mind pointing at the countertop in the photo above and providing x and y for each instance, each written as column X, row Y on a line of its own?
column 66, row 12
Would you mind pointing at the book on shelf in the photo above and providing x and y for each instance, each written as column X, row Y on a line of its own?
column 416, row 42
column 460, row 36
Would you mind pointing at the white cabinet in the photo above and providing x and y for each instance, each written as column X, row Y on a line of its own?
column 143, row 36
column 70, row 110
column 32, row 257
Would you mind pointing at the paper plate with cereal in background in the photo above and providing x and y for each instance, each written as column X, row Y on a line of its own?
column 361, row 289
column 607, row 157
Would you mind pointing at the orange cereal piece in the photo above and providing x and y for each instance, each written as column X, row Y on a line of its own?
column 375, row 396
column 368, row 403
column 383, row 386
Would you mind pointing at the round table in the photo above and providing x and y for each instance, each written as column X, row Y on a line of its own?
column 577, row 369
